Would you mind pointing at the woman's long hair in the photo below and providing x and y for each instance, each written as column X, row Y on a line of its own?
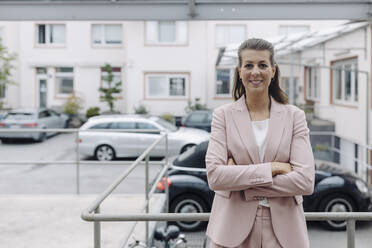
column 274, row 89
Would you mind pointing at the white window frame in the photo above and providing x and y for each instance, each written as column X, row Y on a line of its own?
column 115, row 73
column 47, row 33
column 312, row 78
column 232, row 71
column 102, row 36
column 152, row 33
column 167, row 77
column 228, row 26
column 64, row 75
column 354, row 66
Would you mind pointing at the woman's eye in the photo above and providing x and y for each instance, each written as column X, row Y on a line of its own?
column 248, row 65
column 263, row 65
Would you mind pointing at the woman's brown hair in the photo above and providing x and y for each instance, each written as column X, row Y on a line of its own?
column 274, row 89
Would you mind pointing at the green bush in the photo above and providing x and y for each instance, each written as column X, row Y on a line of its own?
column 196, row 105
column 73, row 104
column 141, row 110
column 93, row 111
column 168, row 117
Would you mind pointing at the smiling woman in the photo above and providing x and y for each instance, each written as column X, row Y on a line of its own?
column 259, row 160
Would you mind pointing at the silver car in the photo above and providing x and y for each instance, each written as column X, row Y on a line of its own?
column 109, row 145
column 31, row 118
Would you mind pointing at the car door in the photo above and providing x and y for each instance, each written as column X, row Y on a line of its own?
column 126, row 142
column 146, row 139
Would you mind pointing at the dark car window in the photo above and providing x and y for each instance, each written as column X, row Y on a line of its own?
column 44, row 114
column 124, row 125
column 19, row 116
column 193, row 157
column 196, row 117
column 53, row 113
column 105, row 125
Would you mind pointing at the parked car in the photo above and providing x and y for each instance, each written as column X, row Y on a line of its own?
column 111, row 145
column 31, row 118
column 336, row 190
column 199, row 119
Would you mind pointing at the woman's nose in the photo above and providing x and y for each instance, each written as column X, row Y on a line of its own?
column 255, row 70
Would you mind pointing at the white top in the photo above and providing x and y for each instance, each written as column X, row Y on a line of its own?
column 260, row 132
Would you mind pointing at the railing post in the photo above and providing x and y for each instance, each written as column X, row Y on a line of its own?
column 166, row 175
column 147, row 197
column 77, row 163
column 97, row 231
column 350, row 233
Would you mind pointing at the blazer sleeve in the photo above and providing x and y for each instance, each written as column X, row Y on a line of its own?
column 230, row 178
column 300, row 181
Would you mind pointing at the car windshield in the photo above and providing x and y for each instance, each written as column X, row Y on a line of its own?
column 19, row 116
column 166, row 125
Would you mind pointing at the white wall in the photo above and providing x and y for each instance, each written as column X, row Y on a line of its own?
column 77, row 53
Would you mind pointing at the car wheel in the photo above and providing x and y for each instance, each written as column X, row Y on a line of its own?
column 188, row 203
column 336, row 203
column 104, row 153
column 186, row 147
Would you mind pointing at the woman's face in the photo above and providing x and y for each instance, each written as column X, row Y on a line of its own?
column 256, row 71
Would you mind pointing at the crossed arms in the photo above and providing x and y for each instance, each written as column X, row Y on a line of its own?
column 273, row 179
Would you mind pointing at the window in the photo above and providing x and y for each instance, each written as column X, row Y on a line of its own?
column 51, row 33
column 312, row 82
column 166, row 32
column 293, row 29
column 124, row 125
column 227, row 34
column 64, row 80
column 167, row 85
column 345, row 81
column 116, row 72
column 44, row 114
column 145, row 125
column 224, row 82
column 107, row 34
column 105, row 125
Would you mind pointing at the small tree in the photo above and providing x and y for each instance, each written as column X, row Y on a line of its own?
column 6, row 66
column 73, row 104
column 111, row 88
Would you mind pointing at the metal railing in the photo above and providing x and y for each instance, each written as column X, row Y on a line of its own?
column 92, row 213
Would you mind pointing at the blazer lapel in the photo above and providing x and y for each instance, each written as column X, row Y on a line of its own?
column 242, row 121
column 276, row 128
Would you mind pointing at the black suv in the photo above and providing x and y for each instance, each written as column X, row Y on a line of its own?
column 336, row 190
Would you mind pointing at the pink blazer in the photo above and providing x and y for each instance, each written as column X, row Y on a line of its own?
column 239, row 188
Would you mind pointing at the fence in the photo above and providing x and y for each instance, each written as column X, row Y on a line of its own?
column 92, row 213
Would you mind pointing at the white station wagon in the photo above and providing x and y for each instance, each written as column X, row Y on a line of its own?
column 110, row 145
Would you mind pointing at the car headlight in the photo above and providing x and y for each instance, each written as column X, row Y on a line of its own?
column 362, row 187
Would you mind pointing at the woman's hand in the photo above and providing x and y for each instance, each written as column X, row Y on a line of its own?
column 280, row 168
column 231, row 161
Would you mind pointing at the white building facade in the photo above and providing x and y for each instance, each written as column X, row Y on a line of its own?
column 161, row 65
